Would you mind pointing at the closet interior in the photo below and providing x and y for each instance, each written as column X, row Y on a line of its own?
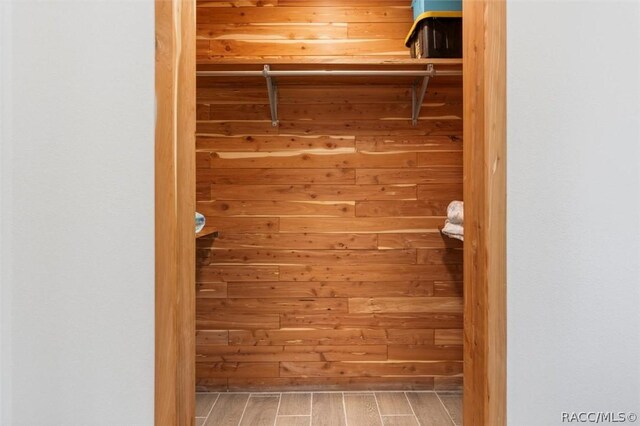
column 324, row 172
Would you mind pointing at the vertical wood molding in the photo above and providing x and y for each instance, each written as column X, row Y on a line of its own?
column 484, row 70
column 175, row 206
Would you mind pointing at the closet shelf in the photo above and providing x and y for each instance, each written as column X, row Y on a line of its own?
column 207, row 232
column 416, row 72
column 225, row 64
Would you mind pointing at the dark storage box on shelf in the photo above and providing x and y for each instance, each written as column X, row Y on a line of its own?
column 436, row 35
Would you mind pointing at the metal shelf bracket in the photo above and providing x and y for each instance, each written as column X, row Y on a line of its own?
column 417, row 95
column 272, row 88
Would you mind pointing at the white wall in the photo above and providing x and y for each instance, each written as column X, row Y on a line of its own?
column 573, row 209
column 77, row 212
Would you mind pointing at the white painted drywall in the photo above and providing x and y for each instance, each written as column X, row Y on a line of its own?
column 573, row 209
column 77, row 212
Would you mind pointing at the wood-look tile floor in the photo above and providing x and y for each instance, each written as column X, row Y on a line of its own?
column 329, row 409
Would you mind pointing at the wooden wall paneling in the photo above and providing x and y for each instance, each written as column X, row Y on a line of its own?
column 438, row 256
column 413, row 320
column 203, row 187
column 358, row 3
column 294, row 241
column 322, row 93
column 448, row 288
column 426, row 240
column 448, row 337
column 408, row 336
column 305, row 257
column 288, row 31
column 276, row 208
column 246, row 225
column 237, row 369
column 366, row 30
column 269, row 143
column 330, row 289
column 212, row 337
column 275, row 305
column 236, row 273
column 236, row 3
column 409, row 143
column 312, row 127
column 344, row 111
column 329, row 383
column 354, row 369
column 405, row 304
column 309, row 337
column 329, row 267
column 203, row 160
column 279, row 176
column 330, row 193
column 379, row 272
column 306, row 47
column 440, row 158
column 419, row 352
column 211, row 289
column 361, row 224
column 315, row 159
column 439, row 191
column 236, row 353
column 318, row 14
column 440, row 174
column 339, row 337
column 401, row 208
column 208, row 320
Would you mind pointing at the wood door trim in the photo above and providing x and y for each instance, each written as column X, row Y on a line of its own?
column 484, row 192
column 484, row 121
column 174, row 212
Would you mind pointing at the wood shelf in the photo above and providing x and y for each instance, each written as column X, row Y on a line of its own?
column 352, row 63
column 257, row 64
column 207, row 232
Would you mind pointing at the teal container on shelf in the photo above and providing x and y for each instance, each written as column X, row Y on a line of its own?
column 422, row 6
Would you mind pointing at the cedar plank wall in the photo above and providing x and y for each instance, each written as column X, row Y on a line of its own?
column 329, row 272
